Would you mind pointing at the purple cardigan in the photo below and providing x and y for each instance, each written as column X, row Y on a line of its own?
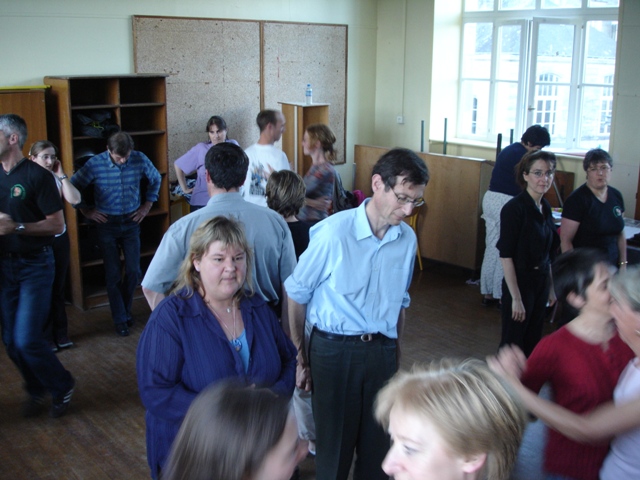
column 183, row 349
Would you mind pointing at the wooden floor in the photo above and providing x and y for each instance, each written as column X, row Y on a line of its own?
column 103, row 434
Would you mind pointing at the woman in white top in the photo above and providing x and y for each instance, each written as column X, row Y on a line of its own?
column 618, row 421
column 45, row 154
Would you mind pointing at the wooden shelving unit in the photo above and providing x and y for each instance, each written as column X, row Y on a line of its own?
column 138, row 105
column 299, row 116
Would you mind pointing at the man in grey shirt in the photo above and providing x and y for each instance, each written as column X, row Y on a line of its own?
column 267, row 232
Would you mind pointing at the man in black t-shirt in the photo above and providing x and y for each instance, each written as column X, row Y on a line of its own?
column 30, row 216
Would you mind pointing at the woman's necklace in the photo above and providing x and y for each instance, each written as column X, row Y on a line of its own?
column 235, row 341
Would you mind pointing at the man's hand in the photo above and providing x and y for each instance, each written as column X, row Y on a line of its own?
column 95, row 215
column 7, row 225
column 303, row 377
column 141, row 212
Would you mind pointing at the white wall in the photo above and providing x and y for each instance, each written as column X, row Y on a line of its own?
column 93, row 37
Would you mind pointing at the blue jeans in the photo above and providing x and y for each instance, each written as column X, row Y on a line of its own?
column 120, row 233
column 25, row 297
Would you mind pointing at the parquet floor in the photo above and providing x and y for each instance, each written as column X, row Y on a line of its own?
column 103, row 434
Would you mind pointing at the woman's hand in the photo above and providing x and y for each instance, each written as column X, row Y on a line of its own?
column 509, row 363
column 303, row 377
column 518, row 312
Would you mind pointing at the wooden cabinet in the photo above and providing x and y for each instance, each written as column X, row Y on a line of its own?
column 137, row 103
column 299, row 116
column 29, row 104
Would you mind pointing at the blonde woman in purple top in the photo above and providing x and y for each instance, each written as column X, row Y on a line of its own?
column 193, row 162
column 317, row 142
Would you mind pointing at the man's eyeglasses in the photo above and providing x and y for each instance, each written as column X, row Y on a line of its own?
column 403, row 200
column 600, row 169
column 540, row 173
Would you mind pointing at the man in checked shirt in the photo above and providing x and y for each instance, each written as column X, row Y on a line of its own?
column 118, row 211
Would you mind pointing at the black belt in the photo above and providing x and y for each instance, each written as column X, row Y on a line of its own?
column 31, row 254
column 364, row 337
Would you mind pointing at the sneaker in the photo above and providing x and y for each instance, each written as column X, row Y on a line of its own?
column 63, row 341
column 53, row 346
column 122, row 329
column 33, row 407
column 60, row 404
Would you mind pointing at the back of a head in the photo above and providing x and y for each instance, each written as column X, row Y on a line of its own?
column 10, row 124
column 319, row 132
column 401, row 162
column 227, row 165
column 285, row 192
column 536, row 135
column 120, row 143
column 227, row 433
column 573, row 272
column 265, row 117
column 472, row 409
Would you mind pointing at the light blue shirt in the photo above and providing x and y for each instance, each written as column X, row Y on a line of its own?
column 351, row 281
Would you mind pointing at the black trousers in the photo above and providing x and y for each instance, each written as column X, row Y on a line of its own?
column 347, row 375
column 57, row 323
column 534, row 289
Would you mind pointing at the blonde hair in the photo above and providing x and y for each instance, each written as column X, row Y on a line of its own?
column 625, row 287
column 472, row 409
column 319, row 132
column 217, row 229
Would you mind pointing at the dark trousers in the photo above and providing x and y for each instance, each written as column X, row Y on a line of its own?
column 120, row 233
column 25, row 297
column 57, row 323
column 347, row 375
column 534, row 289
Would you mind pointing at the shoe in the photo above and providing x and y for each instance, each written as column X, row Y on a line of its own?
column 131, row 322
column 63, row 341
column 33, row 407
column 122, row 329
column 60, row 404
column 53, row 346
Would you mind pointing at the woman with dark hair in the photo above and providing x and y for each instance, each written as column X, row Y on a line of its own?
column 236, row 433
column 527, row 245
column 592, row 214
column 45, row 154
column 193, row 162
column 317, row 142
column 210, row 328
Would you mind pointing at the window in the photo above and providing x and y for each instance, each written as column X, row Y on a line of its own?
column 549, row 62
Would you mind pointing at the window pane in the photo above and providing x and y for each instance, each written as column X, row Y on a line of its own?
column 478, row 5
column 555, row 49
column 517, row 4
column 505, row 109
column 509, row 52
column 551, row 107
column 596, row 110
column 603, row 3
column 561, row 3
column 476, row 60
column 474, row 108
column 601, row 51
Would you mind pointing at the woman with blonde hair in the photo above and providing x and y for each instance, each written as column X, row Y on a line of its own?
column 210, row 328
column 317, row 142
column 450, row 420
column 236, row 433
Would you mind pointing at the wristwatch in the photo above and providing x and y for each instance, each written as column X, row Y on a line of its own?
column 20, row 228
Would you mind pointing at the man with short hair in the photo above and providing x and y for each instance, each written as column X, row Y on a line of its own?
column 267, row 232
column 351, row 285
column 116, row 175
column 30, row 216
column 264, row 157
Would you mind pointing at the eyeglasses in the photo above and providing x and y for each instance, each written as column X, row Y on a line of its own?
column 540, row 173
column 53, row 158
column 601, row 169
column 403, row 200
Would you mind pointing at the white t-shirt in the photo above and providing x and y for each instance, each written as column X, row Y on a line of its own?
column 623, row 461
column 263, row 159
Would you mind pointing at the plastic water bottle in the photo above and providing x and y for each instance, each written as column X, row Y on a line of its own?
column 308, row 95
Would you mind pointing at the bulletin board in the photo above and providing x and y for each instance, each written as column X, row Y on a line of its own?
column 235, row 68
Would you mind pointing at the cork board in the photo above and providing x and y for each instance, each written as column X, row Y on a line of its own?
column 233, row 68
column 296, row 54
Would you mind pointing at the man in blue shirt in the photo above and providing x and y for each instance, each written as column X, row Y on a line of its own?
column 351, row 285
column 118, row 210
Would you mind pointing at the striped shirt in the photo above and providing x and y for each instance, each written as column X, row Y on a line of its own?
column 117, row 187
